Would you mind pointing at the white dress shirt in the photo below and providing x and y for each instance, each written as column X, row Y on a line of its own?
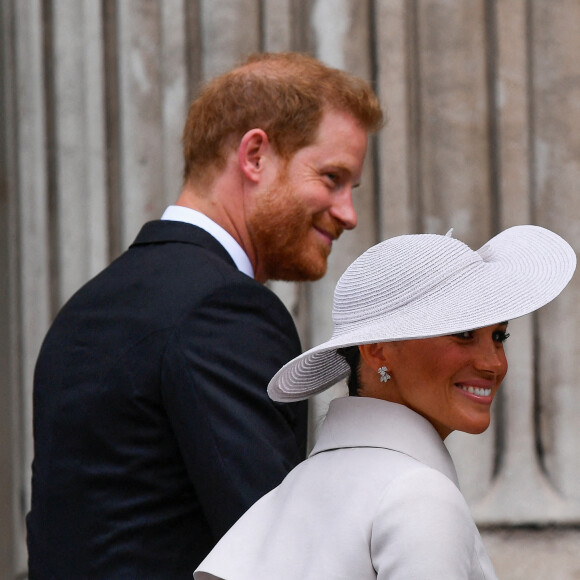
column 178, row 213
column 377, row 498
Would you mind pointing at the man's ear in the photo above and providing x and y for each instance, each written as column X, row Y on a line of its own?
column 251, row 151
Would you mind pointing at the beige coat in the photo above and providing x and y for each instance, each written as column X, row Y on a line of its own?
column 377, row 498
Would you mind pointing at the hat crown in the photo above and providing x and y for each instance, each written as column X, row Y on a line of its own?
column 394, row 273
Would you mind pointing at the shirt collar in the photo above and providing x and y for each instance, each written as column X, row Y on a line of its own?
column 369, row 422
column 178, row 213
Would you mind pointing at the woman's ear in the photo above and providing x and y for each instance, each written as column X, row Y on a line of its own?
column 372, row 368
column 373, row 354
column 251, row 151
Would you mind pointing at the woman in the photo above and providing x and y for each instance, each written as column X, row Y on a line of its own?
column 419, row 325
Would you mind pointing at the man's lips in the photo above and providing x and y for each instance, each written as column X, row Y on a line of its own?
column 328, row 237
column 329, row 233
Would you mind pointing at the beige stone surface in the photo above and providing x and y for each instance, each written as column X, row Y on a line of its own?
column 484, row 105
column 537, row 554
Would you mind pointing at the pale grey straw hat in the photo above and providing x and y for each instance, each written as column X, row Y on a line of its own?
column 425, row 285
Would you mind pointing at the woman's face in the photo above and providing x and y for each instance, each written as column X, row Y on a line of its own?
column 450, row 380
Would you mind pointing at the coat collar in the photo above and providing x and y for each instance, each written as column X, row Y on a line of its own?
column 368, row 422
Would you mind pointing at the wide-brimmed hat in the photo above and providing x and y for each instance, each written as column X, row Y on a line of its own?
column 426, row 285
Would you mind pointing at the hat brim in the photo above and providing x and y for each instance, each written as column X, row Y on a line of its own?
column 520, row 270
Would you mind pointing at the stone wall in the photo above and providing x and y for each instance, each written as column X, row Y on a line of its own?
column 483, row 98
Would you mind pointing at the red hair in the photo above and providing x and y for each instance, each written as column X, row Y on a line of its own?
column 285, row 94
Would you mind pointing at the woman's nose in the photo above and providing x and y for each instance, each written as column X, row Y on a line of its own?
column 491, row 357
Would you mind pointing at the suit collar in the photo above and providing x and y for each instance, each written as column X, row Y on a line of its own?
column 179, row 213
column 166, row 231
column 368, row 422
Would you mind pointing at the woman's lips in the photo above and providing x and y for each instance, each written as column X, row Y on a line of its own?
column 478, row 387
column 480, row 392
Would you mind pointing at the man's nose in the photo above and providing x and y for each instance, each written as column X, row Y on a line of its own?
column 343, row 210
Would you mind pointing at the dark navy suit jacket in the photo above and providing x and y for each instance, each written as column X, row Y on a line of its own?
column 152, row 427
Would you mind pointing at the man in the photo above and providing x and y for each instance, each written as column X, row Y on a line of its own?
column 153, row 430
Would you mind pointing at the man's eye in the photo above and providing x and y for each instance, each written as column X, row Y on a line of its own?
column 333, row 177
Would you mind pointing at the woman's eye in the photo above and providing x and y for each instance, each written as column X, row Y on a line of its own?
column 464, row 335
column 500, row 336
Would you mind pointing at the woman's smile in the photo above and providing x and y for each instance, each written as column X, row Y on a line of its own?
column 480, row 389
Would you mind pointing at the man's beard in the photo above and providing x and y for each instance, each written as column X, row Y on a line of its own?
column 282, row 233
